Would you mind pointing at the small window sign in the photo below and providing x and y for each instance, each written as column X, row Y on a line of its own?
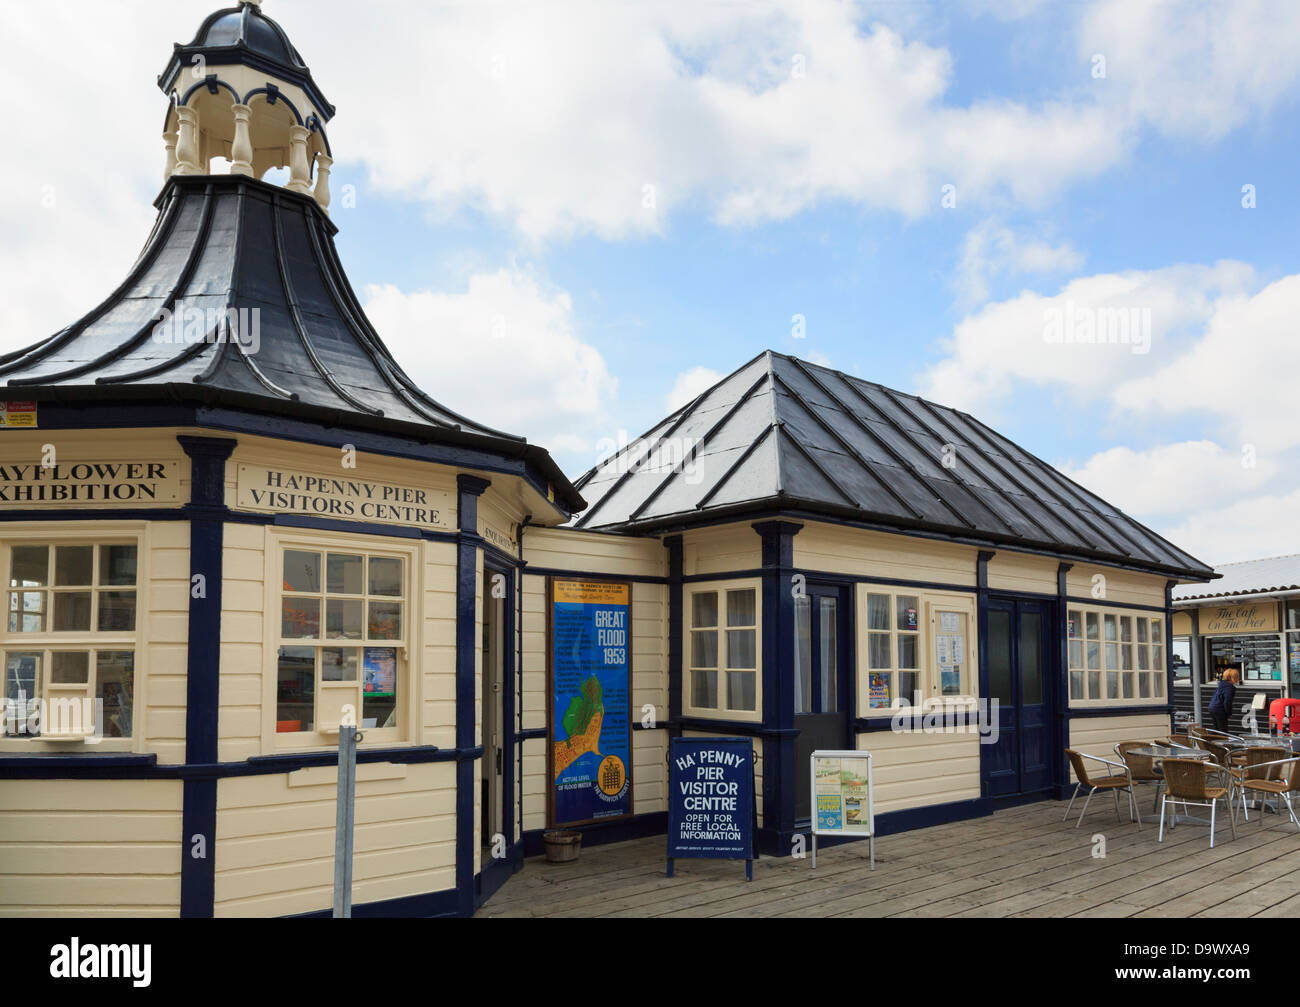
column 17, row 414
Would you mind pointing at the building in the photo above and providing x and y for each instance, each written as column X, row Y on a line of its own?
column 1250, row 617
column 230, row 523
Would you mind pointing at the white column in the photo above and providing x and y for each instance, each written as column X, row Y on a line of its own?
column 241, row 148
column 299, row 170
column 169, row 142
column 322, row 192
column 187, row 144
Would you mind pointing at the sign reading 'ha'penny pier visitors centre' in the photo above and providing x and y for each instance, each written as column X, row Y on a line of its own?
column 280, row 491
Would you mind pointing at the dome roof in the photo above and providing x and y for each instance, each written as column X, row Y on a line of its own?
column 244, row 35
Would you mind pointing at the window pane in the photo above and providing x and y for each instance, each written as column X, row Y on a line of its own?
column 1094, row 655
column 69, row 667
column 302, row 571
column 906, row 612
column 828, row 641
column 385, row 621
column 71, row 611
column 1126, row 629
column 704, row 689
column 1094, row 626
column 704, row 609
column 117, row 565
column 1076, row 685
column 878, row 611
column 379, row 688
column 1112, row 630
column 343, row 574
column 295, row 690
column 338, row 664
column 907, row 650
column 1159, row 682
column 1143, row 625
column 741, row 608
column 22, row 690
column 1000, row 656
column 74, row 565
column 704, row 649
column 300, row 618
column 1157, row 657
column 30, row 566
column 1126, row 656
column 343, row 619
column 1156, row 632
column 1031, row 658
column 880, row 694
column 1143, row 658
column 386, row 576
column 1128, row 685
column 741, row 648
column 116, row 611
column 1076, row 625
column 908, row 688
column 27, row 612
column 1076, row 654
column 1112, row 685
column 1094, row 685
column 115, row 686
column 1112, row 656
column 803, row 655
column 1144, row 686
column 878, row 650
column 740, row 690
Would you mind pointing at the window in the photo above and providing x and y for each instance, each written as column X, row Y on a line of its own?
column 70, row 640
column 343, row 635
column 899, row 664
column 1180, row 659
column 1115, row 657
column 722, row 650
column 1293, row 644
column 893, row 650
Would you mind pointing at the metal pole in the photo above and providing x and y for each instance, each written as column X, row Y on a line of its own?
column 344, row 821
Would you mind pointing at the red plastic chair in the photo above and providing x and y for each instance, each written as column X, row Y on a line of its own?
column 1284, row 714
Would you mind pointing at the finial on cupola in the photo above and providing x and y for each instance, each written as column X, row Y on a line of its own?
column 241, row 91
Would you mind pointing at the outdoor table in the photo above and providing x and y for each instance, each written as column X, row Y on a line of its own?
column 1158, row 753
column 1262, row 741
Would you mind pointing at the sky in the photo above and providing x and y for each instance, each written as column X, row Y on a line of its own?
column 567, row 218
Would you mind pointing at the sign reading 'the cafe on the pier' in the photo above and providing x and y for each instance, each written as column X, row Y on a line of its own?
column 346, row 497
column 26, row 484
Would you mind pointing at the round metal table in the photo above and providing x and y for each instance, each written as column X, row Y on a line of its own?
column 1158, row 753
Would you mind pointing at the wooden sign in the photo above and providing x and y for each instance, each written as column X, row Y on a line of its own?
column 344, row 496
column 1255, row 617
column 126, row 483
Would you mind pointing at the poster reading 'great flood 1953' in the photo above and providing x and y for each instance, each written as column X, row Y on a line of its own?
column 591, row 740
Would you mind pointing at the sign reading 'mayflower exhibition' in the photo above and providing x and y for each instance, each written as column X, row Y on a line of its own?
column 710, row 800
column 345, row 497
column 591, row 729
column 78, row 483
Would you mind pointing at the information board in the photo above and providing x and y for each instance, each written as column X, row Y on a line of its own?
column 843, row 798
column 711, row 800
column 591, row 728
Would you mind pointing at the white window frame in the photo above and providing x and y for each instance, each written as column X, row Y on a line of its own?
column 91, row 641
column 1131, row 652
column 929, row 675
column 325, row 733
column 720, row 588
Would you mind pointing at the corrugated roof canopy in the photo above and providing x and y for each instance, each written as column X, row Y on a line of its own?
column 782, row 433
column 1275, row 575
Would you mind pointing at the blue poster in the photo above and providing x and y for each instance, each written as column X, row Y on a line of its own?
column 711, row 799
column 591, row 739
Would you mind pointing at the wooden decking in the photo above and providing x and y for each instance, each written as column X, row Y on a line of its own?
column 1019, row 862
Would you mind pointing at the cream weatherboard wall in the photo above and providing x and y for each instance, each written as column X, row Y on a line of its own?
column 838, row 549
column 1100, row 735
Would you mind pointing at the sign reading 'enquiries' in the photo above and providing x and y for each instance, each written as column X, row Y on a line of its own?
column 342, row 497
column 93, row 484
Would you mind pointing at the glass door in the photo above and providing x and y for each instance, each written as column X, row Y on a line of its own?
column 821, row 682
column 1020, row 681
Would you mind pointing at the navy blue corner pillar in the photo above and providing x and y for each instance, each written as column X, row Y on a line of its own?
column 470, row 488
column 778, row 683
column 206, row 512
column 982, row 622
column 1169, row 652
column 674, row 546
column 1060, row 771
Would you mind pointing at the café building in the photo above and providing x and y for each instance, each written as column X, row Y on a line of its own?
column 230, row 524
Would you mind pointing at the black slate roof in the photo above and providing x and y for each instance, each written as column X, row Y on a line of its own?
column 230, row 242
column 784, row 434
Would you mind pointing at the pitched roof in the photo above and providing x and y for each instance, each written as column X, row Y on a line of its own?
column 784, row 434
column 1274, row 575
column 226, row 243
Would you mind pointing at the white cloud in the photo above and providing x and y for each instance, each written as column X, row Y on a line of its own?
column 992, row 250
column 688, row 385
column 504, row 352
column 1250, row 528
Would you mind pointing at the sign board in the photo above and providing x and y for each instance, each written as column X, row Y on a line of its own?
column 342, row 495
column 18, row 414
column 843, row 798
column 1255, row 617
column 129, row 482
column 711, row 800
column 590, row 692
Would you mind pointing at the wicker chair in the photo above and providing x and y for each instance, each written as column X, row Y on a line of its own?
column 1114, row 782
column 1261, row 773
column 1197, row 731
column 1141, row 768
column 1187, row 782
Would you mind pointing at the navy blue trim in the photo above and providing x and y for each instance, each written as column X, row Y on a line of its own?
column 509, row 735
column 778, row 730
column 107, row 514
column 531, row 734
column 982, row 646
column 208, row 456
column 211, row 82
column 469, row 489
column 273, row 95
column 1118, row 711
column 551, row 571
column 1106, row 603
column 1060, row 767
column 673, row 544
column 1169, row 640
column 917, row 721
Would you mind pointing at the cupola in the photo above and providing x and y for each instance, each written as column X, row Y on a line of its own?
column 240, row 90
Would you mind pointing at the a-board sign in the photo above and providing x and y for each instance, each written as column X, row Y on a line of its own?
column 590, row 689
column 711, row 800
column 843, row 798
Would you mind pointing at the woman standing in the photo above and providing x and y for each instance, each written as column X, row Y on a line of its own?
column 1221, row 704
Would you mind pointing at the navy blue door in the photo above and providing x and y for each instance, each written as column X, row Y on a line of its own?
column 823, row 676
column 1019, row 639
